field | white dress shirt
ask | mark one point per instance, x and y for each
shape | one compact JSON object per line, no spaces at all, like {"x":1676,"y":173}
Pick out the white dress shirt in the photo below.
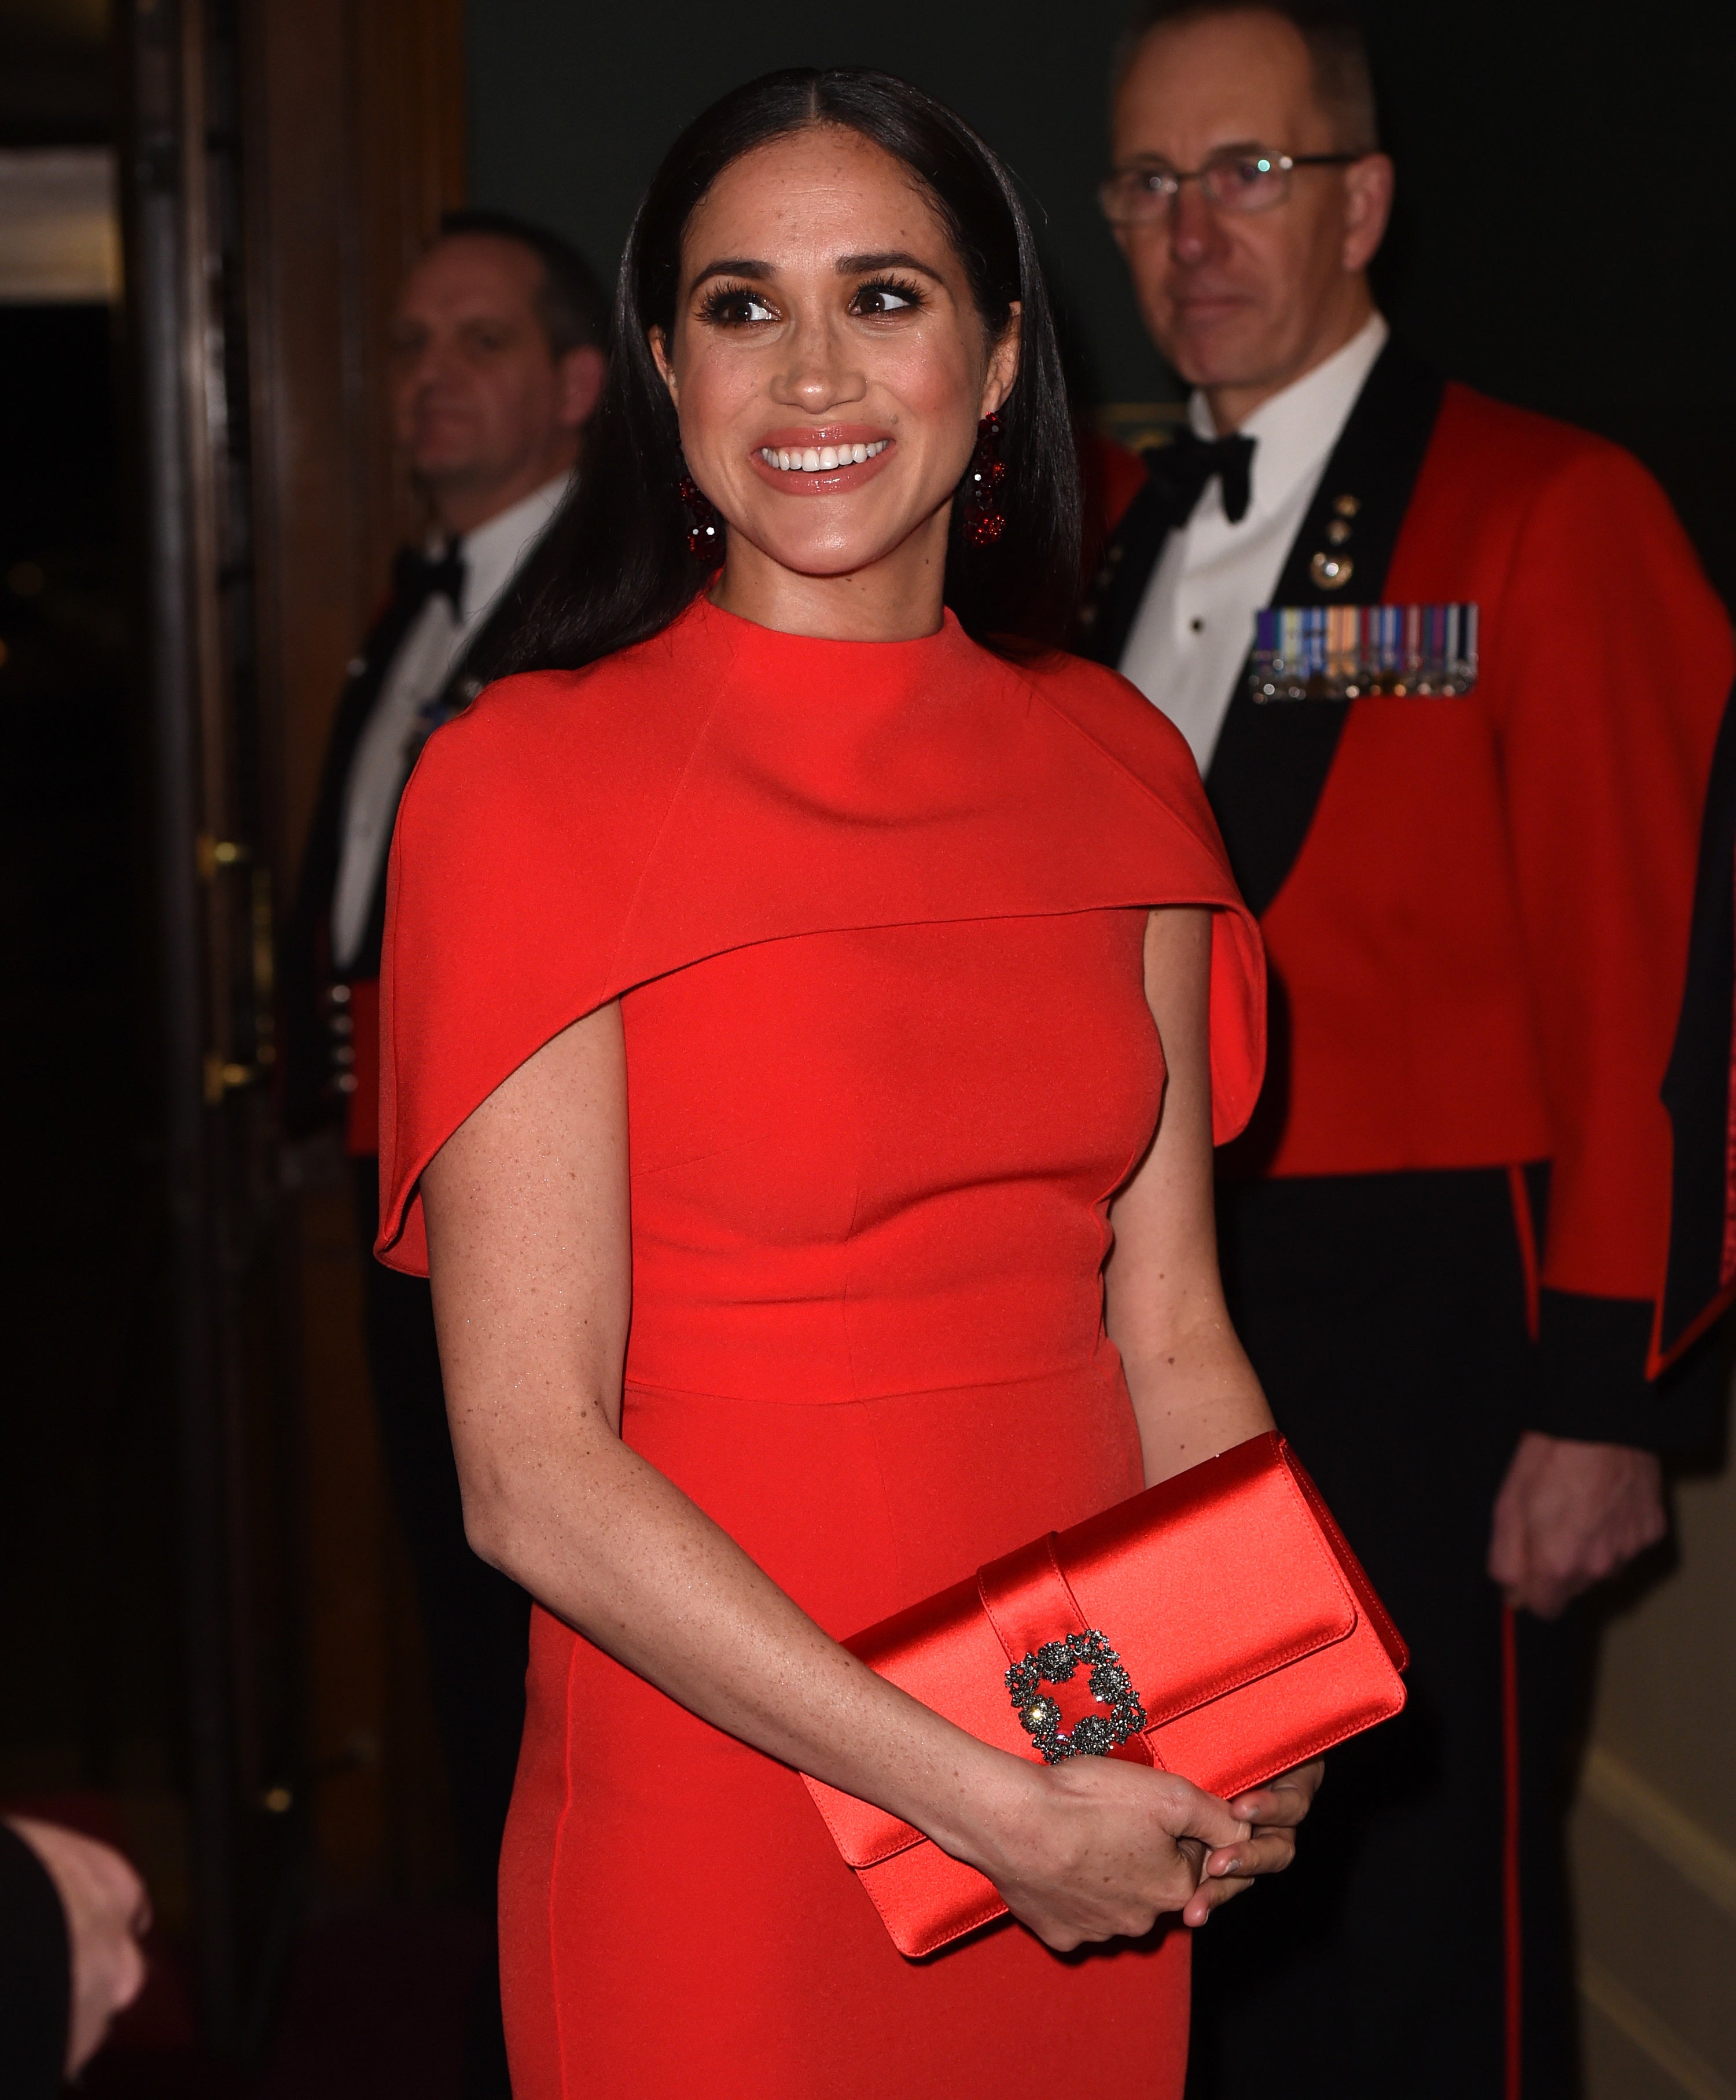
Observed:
{"x":1195,"y":624}
{"x":491,"y":555}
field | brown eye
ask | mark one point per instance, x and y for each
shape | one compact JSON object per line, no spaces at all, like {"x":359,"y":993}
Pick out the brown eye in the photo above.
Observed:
{"x":875,"y":300}
{"x":734,"y":307}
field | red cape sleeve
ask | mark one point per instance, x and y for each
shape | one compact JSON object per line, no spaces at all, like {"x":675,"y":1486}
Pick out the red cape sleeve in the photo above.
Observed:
{"x":572,"y":836}
{"x":478,"y":972}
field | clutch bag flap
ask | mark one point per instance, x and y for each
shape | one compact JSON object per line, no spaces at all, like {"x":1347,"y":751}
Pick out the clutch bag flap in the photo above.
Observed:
{"x":1250,"y":1637}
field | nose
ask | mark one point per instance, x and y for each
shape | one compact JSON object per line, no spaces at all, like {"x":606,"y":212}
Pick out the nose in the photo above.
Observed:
{"x":434,"y":362}
{"x":818,"y":373}
{"x":1196,"y":231}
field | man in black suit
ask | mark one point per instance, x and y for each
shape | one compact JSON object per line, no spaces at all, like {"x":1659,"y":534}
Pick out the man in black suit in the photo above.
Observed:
{"x":498,"y":347}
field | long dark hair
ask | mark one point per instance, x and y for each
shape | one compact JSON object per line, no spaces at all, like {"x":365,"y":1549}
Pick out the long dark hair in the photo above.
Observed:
{"x":620,"y":568}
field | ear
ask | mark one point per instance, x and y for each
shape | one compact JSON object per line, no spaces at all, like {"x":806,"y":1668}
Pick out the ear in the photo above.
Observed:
{"x":580,"y":375}
{"x":1367,"y":205}
{"x":1003,"y":362}
{"x":659,"y":343}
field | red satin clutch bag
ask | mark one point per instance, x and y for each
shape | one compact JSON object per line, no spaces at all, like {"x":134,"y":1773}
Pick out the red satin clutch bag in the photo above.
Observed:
{"x":1217,"y":1625}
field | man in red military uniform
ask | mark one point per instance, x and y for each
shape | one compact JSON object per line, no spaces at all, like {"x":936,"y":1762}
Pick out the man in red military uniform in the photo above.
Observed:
{"x":1472,"y":849}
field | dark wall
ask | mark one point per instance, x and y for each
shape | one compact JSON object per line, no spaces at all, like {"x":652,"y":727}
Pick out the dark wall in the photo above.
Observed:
{"x":571,"y":108}
{"x":1564,"y":234}
{"x":86,"y":1584}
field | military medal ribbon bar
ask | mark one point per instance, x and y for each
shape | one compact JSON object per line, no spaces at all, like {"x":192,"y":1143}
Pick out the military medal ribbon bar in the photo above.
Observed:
{"x":1352,"y":652}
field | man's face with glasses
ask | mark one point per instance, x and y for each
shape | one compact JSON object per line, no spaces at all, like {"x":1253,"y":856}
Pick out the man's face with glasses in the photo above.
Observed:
{"x":1246,"y":225}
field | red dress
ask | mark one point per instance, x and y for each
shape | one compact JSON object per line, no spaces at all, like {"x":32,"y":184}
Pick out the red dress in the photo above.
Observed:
{"x":874,"y":912}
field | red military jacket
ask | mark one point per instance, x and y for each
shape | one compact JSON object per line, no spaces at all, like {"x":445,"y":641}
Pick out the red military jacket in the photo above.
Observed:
{"x":1477,"y":908}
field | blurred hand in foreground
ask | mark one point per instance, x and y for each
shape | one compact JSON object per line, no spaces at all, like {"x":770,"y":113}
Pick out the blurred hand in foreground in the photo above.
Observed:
{"x":107,"y":1912}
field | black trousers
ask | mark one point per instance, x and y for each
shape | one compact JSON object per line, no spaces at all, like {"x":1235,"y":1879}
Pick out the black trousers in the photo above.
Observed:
{"x":1385,"y":1315}
{"x":476,"y":1622}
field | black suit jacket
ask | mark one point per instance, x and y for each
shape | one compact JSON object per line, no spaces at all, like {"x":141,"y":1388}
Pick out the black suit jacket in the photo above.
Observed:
{"x":306,"y":974}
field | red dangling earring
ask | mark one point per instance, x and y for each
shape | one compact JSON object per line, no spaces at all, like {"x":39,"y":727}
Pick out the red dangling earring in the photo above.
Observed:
{"x":705,"y":535}
{"x":985,"y":520}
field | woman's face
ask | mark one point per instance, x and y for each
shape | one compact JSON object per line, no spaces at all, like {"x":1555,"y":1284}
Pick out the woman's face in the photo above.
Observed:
{"x":828,"y":363}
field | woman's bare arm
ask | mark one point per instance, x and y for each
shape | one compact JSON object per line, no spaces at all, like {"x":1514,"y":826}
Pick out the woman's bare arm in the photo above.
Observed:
{"x":1194,"y":1391}
{"x":527,"y":1213}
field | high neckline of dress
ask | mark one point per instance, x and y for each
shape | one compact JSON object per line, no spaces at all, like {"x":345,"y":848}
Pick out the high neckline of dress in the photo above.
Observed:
{"x":773,"y":645}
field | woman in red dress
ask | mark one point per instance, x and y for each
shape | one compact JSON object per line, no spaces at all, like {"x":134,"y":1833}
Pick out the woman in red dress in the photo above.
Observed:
{"x":807,"y":1013}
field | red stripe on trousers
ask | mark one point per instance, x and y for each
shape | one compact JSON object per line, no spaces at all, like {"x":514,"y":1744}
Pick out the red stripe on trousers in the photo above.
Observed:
{"x":1512,"y":1916}
{"x":1525,"y":1226}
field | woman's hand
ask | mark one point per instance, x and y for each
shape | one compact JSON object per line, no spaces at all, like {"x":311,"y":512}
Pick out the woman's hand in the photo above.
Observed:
{"x":1273,"y":1813}
{"x":1099,"y":1848}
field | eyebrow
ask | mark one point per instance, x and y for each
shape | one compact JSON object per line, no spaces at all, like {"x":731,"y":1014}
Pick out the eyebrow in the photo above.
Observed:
{"x":1162,"y":160}
{"x":731,"y":266}
{"x":848,"y":265}
{"x":890,"y":259}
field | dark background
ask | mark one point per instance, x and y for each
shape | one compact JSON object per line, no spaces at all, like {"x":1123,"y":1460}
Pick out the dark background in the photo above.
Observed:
{"x":1563,"y":236}
{"x":88,"y":1654}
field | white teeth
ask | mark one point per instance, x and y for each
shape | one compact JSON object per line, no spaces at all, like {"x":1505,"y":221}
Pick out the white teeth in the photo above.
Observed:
{"x":821,"y":458}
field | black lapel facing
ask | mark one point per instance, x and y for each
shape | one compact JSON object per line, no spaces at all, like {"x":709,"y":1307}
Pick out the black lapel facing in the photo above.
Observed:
{"x":1266,"y":775}
{"x":1697,"y":1085}
{"x":1111,"y":603}
{"x":363,"y":685}
{"x":303,"y":955}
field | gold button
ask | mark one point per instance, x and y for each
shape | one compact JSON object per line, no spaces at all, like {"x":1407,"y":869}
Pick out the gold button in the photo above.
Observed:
{"x":1338,"y":531}
{"x":1347,"y":506}
{"x":1331,"y":571}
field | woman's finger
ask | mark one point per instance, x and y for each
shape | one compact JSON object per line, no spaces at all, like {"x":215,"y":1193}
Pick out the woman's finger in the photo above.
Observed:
{"x":1286,"y":1799}
{"x":1211,"y":1896}
{"x":1272,"y":1807}
{"x":1267,"y":1851}
{"x":1192,"y":1814}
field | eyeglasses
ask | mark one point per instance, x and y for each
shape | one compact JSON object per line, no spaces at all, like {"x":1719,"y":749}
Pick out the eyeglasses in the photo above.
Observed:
{"x":1238,"y":179}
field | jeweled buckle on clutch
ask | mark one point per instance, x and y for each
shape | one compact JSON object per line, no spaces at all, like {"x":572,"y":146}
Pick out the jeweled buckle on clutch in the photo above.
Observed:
{"x":1094,"y":1735}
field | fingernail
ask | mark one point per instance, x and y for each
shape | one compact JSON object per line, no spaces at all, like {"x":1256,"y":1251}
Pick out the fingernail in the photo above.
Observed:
{"x":1235,"y":1867}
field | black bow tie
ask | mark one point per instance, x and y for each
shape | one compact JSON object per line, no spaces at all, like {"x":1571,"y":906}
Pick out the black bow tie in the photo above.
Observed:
{"x":1180,"y":469}
{"x":415,"y":578}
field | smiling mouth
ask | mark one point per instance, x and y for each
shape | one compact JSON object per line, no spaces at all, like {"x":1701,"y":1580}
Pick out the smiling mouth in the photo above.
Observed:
{"x":821,"y":458}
